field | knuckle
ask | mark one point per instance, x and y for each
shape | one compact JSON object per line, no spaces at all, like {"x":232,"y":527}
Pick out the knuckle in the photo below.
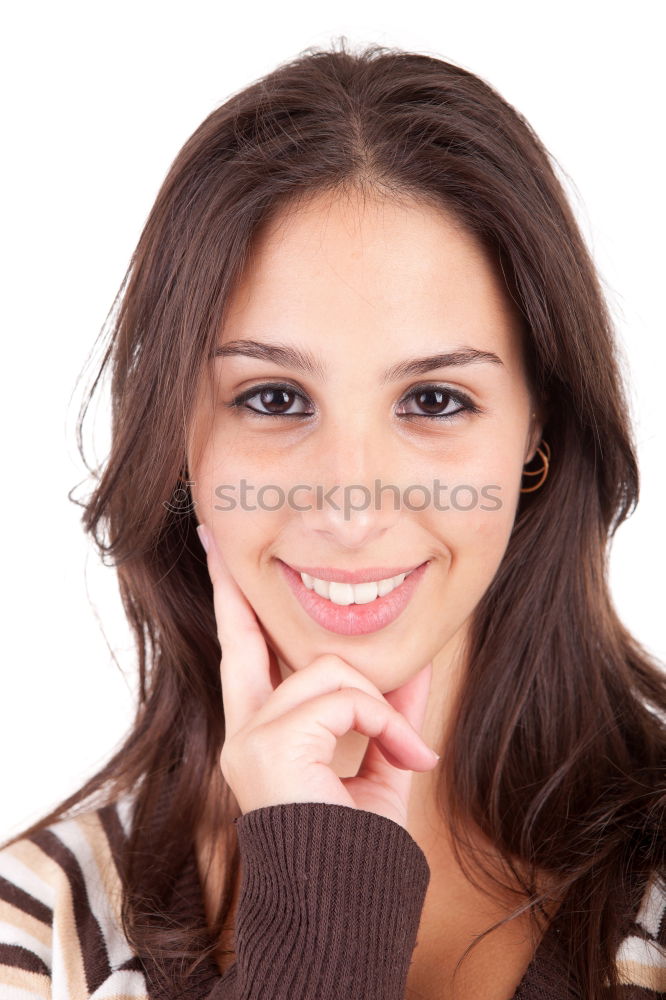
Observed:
{"x":368,"y":699}
{"x":330,"y":661}
{"x":226,"y":766}
{"x":257,"y":743}
{"x":228,"y":751}
{"x":242,"y":751}
{"x":359,"y":699}
{"x":347,"y":675}
{"x":231,"y":752}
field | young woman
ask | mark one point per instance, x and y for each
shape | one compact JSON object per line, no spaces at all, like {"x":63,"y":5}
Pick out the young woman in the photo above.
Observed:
{"x":363,"y":350}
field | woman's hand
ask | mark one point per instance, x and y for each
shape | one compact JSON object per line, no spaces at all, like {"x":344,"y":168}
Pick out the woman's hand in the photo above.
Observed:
{"x":281,"y":735}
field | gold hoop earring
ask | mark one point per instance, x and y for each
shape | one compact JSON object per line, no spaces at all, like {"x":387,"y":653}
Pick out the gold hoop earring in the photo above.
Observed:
{"x":543,"y":471}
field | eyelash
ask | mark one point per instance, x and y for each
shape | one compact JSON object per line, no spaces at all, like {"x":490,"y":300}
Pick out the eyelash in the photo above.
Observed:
{"x":465,"y":403}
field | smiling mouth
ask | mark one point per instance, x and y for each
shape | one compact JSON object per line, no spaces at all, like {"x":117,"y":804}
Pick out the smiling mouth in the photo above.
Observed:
{"x":358,"y":587}
{"x":344,"y":594}
{"x":353,"y":609}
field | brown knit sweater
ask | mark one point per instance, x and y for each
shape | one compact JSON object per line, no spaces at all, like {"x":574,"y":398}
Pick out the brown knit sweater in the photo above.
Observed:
{"x":329,"y":907}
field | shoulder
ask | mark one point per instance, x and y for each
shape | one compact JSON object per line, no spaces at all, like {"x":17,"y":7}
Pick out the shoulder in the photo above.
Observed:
{"x":641,"y":957}
{"x":60,"y":900}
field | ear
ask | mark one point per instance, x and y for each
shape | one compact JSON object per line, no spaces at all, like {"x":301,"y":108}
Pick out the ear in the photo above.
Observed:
{"x":535,"y":432}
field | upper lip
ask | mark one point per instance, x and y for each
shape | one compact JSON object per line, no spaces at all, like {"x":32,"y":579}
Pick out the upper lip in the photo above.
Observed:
{"x":354,"y":576}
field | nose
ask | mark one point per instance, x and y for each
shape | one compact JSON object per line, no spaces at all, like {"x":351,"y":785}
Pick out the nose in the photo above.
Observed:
{"x":356,"y":501}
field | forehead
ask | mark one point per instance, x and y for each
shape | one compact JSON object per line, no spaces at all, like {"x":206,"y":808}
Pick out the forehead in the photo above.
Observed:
{"x":336,"y":268}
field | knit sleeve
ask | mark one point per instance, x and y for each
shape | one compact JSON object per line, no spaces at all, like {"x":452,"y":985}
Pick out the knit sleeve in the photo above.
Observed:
{"x":329,"y":905}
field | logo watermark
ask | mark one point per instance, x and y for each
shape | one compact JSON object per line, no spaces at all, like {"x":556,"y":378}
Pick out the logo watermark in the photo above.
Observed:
{"x":355,"y":497}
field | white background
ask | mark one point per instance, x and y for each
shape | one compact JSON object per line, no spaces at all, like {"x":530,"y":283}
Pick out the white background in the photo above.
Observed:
{"x":98,"y":99}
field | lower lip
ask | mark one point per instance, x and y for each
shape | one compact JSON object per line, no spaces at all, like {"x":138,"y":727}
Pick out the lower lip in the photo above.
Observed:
{"x":354,"y":619}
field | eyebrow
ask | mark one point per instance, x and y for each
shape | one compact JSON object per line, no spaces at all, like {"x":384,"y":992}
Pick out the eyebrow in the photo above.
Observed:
{"x":303,"y":361}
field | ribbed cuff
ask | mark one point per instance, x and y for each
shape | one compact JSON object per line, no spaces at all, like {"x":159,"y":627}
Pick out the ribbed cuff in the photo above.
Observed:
{"x":330,"y":903}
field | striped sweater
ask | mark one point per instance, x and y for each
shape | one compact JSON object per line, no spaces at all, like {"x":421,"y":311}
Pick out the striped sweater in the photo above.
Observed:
{"x":329,"y":907}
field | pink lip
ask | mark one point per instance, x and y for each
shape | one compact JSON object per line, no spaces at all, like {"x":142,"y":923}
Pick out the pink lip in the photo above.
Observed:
{"x":354,"y":619}
{"x":352,"y":576}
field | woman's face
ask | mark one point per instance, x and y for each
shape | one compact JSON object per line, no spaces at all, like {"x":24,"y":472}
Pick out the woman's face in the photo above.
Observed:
{"x":356,"y":291}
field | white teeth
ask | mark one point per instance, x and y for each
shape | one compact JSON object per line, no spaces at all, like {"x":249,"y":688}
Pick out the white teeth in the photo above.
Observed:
{"x":352,"y":593}
{"x":341,"y":593}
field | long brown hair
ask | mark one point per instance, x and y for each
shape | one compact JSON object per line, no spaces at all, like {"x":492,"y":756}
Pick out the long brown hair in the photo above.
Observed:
{"x":557,"y":754}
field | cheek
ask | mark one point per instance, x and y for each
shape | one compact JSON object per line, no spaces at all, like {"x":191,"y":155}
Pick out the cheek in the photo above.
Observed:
{"x":476,"y":527}
{"x":245,"y":473}
{"x":488,"y":537}
{"x":245,"y":512}
{"x":494,"y":517}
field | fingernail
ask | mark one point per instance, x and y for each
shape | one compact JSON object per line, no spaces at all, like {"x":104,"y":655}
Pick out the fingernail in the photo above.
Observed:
{"x":435,"y":755}
{"x":202,"y":532}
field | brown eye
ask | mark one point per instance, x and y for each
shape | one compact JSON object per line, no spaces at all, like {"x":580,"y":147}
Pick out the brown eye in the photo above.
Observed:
{"x":276,"y":400}
{"x":272,"y":401}
{"x":435,"y":402}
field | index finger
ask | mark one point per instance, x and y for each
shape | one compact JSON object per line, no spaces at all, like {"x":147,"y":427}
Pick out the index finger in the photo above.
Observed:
{"x":245,"y":667}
